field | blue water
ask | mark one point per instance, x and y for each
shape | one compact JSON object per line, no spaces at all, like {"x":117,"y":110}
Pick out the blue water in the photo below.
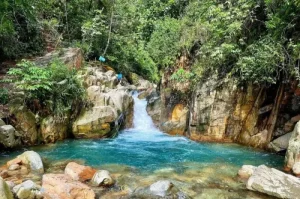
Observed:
{"x":144,"y":147}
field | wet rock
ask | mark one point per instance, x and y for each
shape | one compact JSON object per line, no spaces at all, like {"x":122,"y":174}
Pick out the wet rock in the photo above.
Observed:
{"x":61,"y":186}
{"x":9,"y":137}
{"x":246,"y":171}
{"x":293,"y":152}
{"x":161,"y":188}
{"x":177,"y":124}
{"x":52,"y":130}
{"x":79,"y":172}
{"x":33,"y":160}
{"x":154,"y":108}
{"x":102,"y":178}
{"x":275,"y":183}
{"x":5,"y":192}
{"x":27,"y":190}
{"x":281,"y":143}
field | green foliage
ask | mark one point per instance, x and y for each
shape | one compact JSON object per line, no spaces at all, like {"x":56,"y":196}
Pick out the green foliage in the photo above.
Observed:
{"x":4,"y":96}
{"x":164,"y":43}
{"x":182,"y":75}
{"x":55,"y":87}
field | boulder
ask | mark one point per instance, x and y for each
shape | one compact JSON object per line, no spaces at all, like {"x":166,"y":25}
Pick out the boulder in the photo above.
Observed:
{"x":33,"y":160}
{"x":61,"y":186}
{"x":246,"y":171}
{"x":281,"y":143}
{"x":26,"y":125}
{"x":161,"y":188}
{"x":5,"y":192}
{"x":102,"y":178}
{"x":9,"y":137}
{"x":293,"y":152}
{"x":72,"y":57}
{"x":52,"y":130}
{"x":296,"y":169}
{"x":95,"y":123}
{"x":274,"y":182}
{"x":79,"y":172}
{"x":2,"y":123}
{"x":28,"y":190}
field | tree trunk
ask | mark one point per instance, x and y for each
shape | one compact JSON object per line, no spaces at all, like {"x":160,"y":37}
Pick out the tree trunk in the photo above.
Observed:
{"x":273,"y":116}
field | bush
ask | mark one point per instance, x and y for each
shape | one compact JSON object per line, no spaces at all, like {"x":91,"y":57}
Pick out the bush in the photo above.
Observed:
{"x":50,"y":90}
{"x":4,"y":96}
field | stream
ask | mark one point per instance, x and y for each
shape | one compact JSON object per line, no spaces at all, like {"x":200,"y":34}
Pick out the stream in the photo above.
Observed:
{"x":143,"y":154}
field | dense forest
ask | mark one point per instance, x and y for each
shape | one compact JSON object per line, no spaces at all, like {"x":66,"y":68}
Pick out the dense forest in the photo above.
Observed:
{"x":254,"y":40}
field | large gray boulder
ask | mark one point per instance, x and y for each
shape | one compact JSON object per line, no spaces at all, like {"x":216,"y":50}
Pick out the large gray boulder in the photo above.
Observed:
{"x":9,"y":137}
{"x":293,"y":152}
{"x":281,"y":143}
{"x":34,"y":161}
{"x":5,"y":192}
{"x":274,"y":182}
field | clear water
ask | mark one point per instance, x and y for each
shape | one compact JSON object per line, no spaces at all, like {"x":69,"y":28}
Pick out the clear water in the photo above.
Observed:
{"x":145,"y":148}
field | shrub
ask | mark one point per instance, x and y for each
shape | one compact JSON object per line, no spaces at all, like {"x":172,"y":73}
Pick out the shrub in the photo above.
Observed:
{"x":50,"y":90}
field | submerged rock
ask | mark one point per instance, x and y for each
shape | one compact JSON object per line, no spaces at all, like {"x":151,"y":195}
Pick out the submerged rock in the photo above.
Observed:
{"x":160,"y":189}
{"x":102,"y":178}
{"x":293,"y":152}
{"x":61,"y":186}
{"x":9,"y":137}
{"x":33,"y":160}
{"x":5,"y":192}
{"x":246,"y":171}
{"x":275,"y":183}
{"x":79,"y":172}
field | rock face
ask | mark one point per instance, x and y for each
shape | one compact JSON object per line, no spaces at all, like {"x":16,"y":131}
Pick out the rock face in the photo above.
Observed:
{"x":61,"y":186}
{"x":5,"y":192}
{"x":112,"y":106}
{"x":9,"y":137}
{"x":177,"y":123}
{"x":79,"y":172}
{"x":275,"y":183}
{"x":154,"y":108}
{"x":102,"y":178}
{"x":26,"y":126}
{"x":293,"y":152}
{"x":52,"y":130}
{"x":281,"y":143}
{"x":32,"y":159}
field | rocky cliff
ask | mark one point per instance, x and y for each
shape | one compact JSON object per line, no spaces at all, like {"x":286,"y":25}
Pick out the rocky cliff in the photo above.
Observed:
{"x":222,"y":110}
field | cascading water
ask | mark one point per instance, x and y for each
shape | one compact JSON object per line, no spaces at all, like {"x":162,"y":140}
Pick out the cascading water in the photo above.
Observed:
{"x":145,"y":147}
